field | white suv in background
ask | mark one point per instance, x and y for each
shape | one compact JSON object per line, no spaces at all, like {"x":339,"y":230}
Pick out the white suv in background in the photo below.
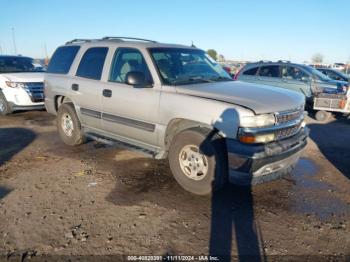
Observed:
{"x":21,"y":84}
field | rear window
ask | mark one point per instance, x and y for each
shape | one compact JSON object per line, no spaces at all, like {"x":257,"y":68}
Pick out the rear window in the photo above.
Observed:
{"x":91,"y":65}
{"x":269,"y":71}
{"x":251,"y":72}
{"x":62,"y":59}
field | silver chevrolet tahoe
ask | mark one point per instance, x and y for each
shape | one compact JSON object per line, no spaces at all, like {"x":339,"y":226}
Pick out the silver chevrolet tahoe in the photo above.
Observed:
{"x":175,"y":102}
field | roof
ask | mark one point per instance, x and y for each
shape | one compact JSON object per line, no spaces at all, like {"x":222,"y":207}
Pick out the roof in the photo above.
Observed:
{"x":128,"y":41}
{"x":280,"y":62}
{"x":14,"y":56}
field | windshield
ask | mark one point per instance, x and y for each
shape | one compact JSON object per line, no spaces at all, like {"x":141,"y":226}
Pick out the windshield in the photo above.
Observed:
{"x":317,"y":74}
{"x":19,"y":65}
{"x":181,"y":66}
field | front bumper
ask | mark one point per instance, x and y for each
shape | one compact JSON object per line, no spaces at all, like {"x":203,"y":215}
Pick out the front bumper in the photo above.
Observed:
{"x":255,"y":164}
{"x":19,"y":98}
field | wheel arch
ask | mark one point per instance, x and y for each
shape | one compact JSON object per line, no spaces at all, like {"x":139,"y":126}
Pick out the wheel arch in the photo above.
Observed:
{"x":178,"y":125}
{"x":61,"y":99}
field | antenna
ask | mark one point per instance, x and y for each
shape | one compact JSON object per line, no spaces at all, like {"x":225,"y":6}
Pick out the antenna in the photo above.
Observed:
{"x":14,"y":41}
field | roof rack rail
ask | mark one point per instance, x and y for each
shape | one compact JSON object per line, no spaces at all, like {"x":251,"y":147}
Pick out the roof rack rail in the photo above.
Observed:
{"x":78,"y":41}
{"x":283,"y":61}
{"x":264,"y":61}
{"x":127,"y":38}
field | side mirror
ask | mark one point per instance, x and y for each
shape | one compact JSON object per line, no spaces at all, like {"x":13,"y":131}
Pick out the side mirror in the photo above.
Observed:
{"x":136,"y":79}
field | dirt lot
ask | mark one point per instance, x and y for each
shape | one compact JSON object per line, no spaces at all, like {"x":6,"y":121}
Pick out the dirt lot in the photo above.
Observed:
{"x":99,"y":200}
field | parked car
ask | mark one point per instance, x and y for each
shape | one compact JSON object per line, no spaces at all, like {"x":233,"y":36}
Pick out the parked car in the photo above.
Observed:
{"x":175,"y":101}
{"x":334,"y":74}
{"x":297,"y":77}
{"x":338,"y":66}
{"x":21,"y":84}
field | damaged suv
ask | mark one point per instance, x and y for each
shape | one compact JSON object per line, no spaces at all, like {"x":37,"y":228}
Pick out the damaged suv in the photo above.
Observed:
{"x":174,"y":101}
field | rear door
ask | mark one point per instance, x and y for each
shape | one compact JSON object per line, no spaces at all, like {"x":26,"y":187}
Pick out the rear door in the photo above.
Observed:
{"x":86,"y":88}
{"x":249,"y":75}
{"x":269,"y":75}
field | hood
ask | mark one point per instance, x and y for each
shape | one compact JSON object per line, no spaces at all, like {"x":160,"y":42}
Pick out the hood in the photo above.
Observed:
{"x":259,"y":98}
{"x":24,"y":77}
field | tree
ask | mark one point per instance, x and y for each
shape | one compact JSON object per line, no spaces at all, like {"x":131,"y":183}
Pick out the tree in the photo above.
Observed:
{"x":212,"y":53}
{"x":221,"y":58}
{"x":317,"y":58}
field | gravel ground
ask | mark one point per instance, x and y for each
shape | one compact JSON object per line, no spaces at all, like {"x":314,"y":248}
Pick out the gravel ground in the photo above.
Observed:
{"x":100,"y":200}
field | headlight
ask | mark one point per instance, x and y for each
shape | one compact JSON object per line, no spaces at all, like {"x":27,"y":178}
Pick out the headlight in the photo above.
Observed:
{"x":256,"y":138}
{"x":14,"y":84}
{"x":258,"y":120}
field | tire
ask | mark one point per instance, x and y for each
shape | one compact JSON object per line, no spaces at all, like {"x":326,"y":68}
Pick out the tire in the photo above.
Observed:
{"x":5,"y":108}
{"x":322,"y":116}
{"x":70,"y":136}
{"x":212,"y":147}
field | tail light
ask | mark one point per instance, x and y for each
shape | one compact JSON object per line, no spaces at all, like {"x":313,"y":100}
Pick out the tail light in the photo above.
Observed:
{"x":342,"y":104}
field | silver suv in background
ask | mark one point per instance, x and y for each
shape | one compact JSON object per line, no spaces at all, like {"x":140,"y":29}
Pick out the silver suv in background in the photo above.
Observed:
{"x":296,"y":77}
{"x":174,"y":101}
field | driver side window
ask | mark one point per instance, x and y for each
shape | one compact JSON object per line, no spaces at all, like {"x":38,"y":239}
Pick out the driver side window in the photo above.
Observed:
{"x":294,"y":73}
{"x":128,"y":60}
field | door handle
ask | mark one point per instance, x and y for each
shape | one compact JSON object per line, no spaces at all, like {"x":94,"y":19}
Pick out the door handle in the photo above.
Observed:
{"x":107,"y":93}
{"x":75,"y":87}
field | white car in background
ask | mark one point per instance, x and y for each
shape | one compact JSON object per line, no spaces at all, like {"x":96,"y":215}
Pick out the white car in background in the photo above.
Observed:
{"x":21,"y":84}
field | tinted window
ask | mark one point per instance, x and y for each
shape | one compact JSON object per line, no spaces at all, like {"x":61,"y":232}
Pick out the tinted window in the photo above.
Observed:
{"x":16,"y":64}
{"x":332,"y":74}
{"x":269,"y":71}
{"x":62,"y":59}
{"x":294,"y":73}
{"x":91,"y":64}
{"x":126,"y":60}
{"x":251,"y":72}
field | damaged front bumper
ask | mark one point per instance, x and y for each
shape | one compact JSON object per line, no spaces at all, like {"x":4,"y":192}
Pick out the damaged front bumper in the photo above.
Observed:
{"x":255,"y":164}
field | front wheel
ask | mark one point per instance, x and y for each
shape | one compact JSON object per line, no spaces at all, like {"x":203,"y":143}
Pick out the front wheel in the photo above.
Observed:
{"x":198,"y":160}
{"x":68,"y":125}
{"x":5,"y":108}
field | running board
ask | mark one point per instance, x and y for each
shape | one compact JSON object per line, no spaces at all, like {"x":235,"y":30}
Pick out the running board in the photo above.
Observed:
{"x":113,"y":142}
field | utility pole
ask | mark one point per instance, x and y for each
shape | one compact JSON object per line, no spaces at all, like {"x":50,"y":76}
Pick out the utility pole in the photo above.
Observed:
{"x":14,"y":41}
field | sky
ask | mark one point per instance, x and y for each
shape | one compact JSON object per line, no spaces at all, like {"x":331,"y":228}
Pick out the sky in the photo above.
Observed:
{"x":240,"y":30}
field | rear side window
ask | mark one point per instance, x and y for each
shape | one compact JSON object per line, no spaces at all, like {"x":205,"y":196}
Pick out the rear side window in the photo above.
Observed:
{"x":251,"y":72}
{"x":91,"y":64}
{"x":269,"y":71}
{"x":62,"y":59}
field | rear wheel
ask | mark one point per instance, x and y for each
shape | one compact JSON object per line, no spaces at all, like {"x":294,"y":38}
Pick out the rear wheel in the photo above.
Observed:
{"x":322,"y":115}
{"x":5,"y":108}
{"x":68,"y":125}
{"x":198,"y":160}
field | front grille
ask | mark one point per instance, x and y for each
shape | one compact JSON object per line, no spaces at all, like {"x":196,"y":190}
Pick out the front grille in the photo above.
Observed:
{"x":35,"y":91}
{"x":287,"y":132}
{"x":287,"y":116}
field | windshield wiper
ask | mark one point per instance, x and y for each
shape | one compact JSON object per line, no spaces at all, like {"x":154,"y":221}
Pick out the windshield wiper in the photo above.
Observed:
{"x":192,"y":80}
{"x":221,"y":78}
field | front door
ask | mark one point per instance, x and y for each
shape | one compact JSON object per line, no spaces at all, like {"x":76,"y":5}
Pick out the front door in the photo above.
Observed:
{"x":127,"y":111}
{"x":293,"y":78}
